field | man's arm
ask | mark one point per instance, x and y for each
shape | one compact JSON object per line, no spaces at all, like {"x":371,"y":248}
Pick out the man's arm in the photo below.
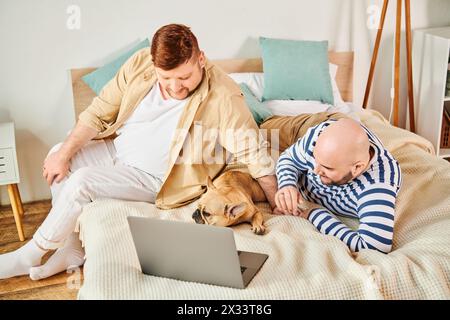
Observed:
{"x":240,"y":135}
{"x":56,"y":165}
{"x":290,"y":165}
{"x":376,"y":221}
{"x":102,"y":113}
{"x":92,"y":122}
{"x":270,"y":187}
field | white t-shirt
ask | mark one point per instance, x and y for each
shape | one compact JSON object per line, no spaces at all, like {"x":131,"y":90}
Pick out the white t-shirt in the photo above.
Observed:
{"x":144,"y":139}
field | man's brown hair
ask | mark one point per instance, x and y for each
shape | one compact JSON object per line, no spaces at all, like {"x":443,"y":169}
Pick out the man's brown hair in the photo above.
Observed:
{"x":173,"y":45}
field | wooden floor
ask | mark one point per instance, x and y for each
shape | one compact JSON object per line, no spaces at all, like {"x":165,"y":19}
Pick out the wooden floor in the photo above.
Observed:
{"x":63,"y":286}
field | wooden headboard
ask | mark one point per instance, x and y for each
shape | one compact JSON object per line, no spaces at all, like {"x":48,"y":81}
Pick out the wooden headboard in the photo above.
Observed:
{"x":83,"y":95}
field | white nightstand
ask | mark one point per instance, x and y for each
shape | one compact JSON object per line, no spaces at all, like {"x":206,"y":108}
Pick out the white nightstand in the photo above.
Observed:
{"x":9,"y":172}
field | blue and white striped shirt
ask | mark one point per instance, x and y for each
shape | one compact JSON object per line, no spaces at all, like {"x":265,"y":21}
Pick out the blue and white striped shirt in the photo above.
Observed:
{"x":370,"y":197}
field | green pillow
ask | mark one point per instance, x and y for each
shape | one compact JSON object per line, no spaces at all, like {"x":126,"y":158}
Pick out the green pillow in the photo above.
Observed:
{"x":258,"y":110}
{"x":296,"y":70}
{"x":97,"y":79}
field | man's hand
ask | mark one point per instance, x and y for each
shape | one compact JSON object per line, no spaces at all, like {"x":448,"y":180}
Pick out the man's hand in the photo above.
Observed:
{"x":287,"y":200}
{"x":277,"y":211}
{"x":304,"y":209}
{"x":56,"y":166}
{"x":290,"y":201}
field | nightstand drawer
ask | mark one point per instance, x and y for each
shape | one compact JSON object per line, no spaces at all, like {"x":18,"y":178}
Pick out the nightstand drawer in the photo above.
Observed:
{"x":7,"y":165}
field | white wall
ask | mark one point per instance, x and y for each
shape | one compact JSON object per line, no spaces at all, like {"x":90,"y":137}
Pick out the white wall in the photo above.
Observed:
{"x":424,"y":14}
{"x":37,"y":50}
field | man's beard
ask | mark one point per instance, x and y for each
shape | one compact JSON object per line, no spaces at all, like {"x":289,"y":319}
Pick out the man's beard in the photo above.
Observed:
{"x":189,"y":93}
{"x":174,"y":96}
{"x":344,"y":180}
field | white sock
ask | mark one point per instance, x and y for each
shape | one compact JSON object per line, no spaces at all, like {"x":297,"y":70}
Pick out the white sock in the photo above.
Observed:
{"x":19,"y":262}
{"x":67,"y":257}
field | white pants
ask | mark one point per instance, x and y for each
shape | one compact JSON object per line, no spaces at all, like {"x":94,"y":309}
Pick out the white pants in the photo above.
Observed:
{"x":94,"y":174}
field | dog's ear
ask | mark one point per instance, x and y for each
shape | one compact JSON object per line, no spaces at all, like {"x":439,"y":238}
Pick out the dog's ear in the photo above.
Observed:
{"x":210,"y":184}
{"x":235,"y":209}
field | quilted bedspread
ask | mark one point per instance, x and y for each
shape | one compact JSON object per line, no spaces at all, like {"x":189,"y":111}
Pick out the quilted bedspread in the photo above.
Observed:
{"x":302,"y":263}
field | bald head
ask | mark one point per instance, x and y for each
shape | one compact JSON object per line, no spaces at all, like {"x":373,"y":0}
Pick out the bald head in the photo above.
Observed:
{"x":340,"y":146}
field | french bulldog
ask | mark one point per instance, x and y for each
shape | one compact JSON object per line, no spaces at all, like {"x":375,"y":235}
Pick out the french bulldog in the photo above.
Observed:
{"x":230,"y":201}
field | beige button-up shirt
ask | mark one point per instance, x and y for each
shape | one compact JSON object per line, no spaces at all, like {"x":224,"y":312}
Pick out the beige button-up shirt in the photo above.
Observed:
{"x":215,"y":125}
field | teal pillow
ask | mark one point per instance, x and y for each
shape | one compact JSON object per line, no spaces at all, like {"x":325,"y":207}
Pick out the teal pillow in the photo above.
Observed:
{"x":97,"y":79}
{"x":258,"y":110}
{"x":296,"y":70}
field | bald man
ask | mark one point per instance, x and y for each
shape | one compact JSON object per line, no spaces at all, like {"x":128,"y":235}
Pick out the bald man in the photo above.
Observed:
{"x":341,"y":169}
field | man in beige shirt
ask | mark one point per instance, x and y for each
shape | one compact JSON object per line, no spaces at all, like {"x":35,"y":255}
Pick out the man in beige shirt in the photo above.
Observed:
{"x":203,"y":101}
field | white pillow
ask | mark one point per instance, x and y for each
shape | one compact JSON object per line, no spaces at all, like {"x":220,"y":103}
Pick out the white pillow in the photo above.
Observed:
{"x":255,"y":81}
{"x":295,"y":107}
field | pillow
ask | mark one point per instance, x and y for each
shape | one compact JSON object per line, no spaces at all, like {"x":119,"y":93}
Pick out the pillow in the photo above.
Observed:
{"x":296,"y":107}
{"x":296,"y":70}
{"x":258,"y":110}
{"x":97,"y":79}
{"x":255,"y":81}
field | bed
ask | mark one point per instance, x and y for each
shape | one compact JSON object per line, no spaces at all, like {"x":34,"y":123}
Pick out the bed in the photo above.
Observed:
{"x":302,"y":264}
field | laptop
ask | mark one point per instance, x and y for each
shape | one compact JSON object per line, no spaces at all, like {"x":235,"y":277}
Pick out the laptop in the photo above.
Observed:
{"x":192,"y":252}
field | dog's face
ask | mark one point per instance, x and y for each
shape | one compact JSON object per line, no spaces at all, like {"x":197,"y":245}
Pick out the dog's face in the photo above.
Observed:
{"x":217,"y":208}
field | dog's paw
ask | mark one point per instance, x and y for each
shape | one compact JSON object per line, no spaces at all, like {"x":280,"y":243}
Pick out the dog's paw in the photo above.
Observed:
{"x":259,"y":229}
